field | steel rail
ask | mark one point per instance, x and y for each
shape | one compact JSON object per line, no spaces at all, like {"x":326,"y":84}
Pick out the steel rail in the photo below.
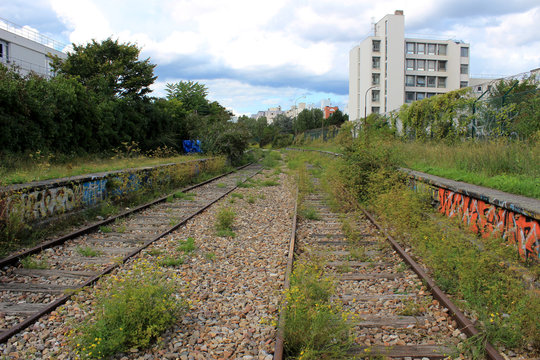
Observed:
{"x":466,"y":325}
{"x":13,"y":259}
{"x":4,"y":336}
{"x":280,"y":340}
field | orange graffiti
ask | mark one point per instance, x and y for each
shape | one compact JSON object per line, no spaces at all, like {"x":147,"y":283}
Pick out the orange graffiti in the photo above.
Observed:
{"x":490,"y":220}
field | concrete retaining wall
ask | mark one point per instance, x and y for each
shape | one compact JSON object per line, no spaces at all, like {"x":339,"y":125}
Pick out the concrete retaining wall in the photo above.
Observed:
{"x":486,"y":211}
{"x":44,"y":199}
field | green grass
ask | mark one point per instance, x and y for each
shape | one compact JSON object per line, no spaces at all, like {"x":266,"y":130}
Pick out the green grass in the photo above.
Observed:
{"x":271,"y":159}
{"x":154,"y":252}
{"x":237,"y":195}
{"x":270,"y":182}
{"x":309,"y":212}
{"x":170,"y":261}
{"x":225,"y":219}
{"x":184,"y":196}
{"x":105,"y":229}
{"x":31,"y":262}
{"x":20,"y":169}
{"x":187,"y":246}
{"x":251,"y":199}
{"x":88,"y":251}
{"x":221,"y":185}
{"x":210,"y":256}
{"x":478,"y":277}
{"x":314,"y":326}
{"x":225,"y":233}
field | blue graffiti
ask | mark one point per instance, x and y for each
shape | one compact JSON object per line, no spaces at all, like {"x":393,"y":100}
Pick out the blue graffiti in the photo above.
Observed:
{"x":94,"y":191}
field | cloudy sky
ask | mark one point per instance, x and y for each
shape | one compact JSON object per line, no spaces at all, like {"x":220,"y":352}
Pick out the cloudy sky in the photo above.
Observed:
{"x":255,"y":54}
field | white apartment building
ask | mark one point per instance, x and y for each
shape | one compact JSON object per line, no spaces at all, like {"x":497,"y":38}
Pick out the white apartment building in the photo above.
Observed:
{"x":27,"y":50}
{"x":387,"y":70}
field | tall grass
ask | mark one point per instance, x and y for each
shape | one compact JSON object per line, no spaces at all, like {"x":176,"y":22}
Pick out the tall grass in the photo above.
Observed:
{"x":509,"y":166}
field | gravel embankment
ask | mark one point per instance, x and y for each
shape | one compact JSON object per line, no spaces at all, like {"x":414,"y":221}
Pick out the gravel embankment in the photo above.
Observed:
{"x":233,"y":284}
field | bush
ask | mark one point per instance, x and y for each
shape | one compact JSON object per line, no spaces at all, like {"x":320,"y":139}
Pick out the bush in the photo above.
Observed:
{"x":131,"y":311}
{"x":314,"y":327}
{"x":224,"y":221}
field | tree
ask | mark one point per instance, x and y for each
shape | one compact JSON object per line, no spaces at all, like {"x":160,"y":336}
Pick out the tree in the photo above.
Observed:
{"x":284,"y":124}
{"x":308,"y":119}
{"x":191,"y":94}
{"x":337,"y":118}
{"x":109,"y":68}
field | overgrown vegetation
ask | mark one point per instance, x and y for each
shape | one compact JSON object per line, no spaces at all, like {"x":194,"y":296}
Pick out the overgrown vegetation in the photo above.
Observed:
{"x":15,"y":231}
{"x":33,"y":262}
{"x":131,"y":311}
{"x":315,"y":328}
{"x":88,"y":251}
{"x":224,"y":222}
{"x":494,"y":293}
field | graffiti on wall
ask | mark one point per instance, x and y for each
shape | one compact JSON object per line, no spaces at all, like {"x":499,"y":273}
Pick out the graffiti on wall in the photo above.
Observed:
{"x":94,"y":191}
{"x":47,"y":202}
{"x":490,"y":220}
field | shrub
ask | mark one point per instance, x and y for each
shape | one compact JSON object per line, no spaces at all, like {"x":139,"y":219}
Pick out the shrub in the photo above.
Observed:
{"x":314,"y":327}
{"x":131,"y":311}
{"x":225,"y":219}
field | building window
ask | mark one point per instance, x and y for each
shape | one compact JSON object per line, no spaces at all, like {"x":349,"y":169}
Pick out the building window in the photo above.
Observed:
{"x":431,"y":65}
{"x":376,"y":61}
{"x":464,"y":69}
{"x":376,"y":45}
{"x":431,"y":81}
{"x":463,"y":84}
{"x":409,"y":80}
{"x":420,"y":96}
{"x":410,"y":48}
{"x":464,"y":52}
{"x":409,"y":96}
{"x":431,"y":49}
{"x":375,"y":109}
{"x":375,"y":95}
{"x":375,"y":79}
{"x":441,"y":82}
{"x":421,"y":48}
{"x":410,"y":64}
{"x":1,"y":50}
{"x":421,"y":81}
{"x":421,"y":65}
{"x":441,"y":49}
{"x":428,"y":95}
{"x":442,"y":65}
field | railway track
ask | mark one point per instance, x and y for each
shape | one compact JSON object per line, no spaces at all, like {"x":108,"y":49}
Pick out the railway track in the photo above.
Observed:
{"x":395,"y":310}
{"x":39,"y":280}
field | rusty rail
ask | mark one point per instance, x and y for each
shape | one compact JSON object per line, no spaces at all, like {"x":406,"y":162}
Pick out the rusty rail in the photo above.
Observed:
{"x":279,"y":348}
{"x":466,"y":325}
{"x":4,"y":336}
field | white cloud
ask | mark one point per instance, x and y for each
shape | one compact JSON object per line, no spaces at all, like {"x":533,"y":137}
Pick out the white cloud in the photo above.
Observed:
{"x":255,"y":42}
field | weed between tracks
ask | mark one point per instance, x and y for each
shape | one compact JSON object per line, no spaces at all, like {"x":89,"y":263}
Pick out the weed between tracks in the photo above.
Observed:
{"x":224,"y":222}
{"x":131,"y":310}
{"x":87,"y":251}
{"x":32,"y":262}
{"x":507,"y":312}
{"x":315,"y":328}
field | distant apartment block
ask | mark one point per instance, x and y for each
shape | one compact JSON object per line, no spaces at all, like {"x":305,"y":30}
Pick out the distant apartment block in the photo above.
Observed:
{"x":387,"y":70}
{"x":329,"y":110}
{"x":27,"y":50}
{"x":270,"y":114}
